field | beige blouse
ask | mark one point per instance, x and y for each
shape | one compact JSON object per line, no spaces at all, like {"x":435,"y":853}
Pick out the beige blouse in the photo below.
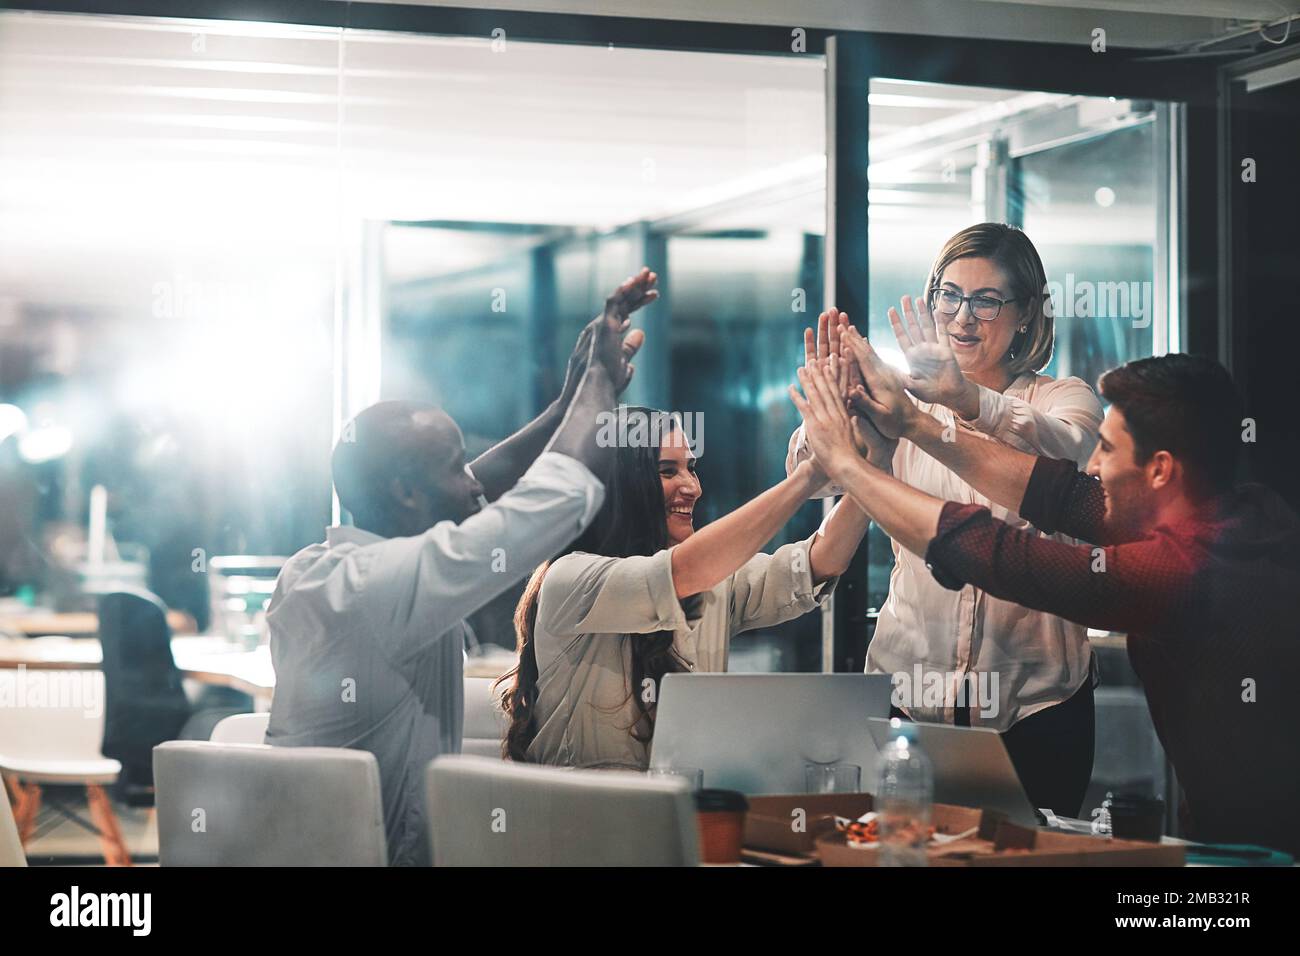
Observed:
{"x":592,"y":608}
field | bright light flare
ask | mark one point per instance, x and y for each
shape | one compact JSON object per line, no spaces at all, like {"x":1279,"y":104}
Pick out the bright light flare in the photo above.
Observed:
{"x":13,"y":421}
{"x":45,"y":443}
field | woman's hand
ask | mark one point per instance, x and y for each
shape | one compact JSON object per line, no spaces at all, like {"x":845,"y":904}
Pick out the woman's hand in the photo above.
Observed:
{"x":827,"y":424}
{"x":827,"y":346}
{"x":830,"y":328}
{"x":934,"y":373}
{"x":883,"y":400}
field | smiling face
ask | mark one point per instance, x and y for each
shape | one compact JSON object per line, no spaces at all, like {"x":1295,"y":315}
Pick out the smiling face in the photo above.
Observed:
{"x":1131,"y":502}
{"x":681,"y":485}
{"x":980,"y":348}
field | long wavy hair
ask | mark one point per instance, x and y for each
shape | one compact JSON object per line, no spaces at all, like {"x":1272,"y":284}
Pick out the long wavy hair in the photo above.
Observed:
{"x":632,"y":521}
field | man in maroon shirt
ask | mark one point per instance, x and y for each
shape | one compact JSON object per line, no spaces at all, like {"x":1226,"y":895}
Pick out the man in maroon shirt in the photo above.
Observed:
{"x":1204,"y":577}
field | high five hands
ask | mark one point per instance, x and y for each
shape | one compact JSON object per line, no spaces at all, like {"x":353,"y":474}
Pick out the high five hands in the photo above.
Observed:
{"x":934,"y":375}
{"x":606,"y":338}
{"x":830,"y":351}
{"x":882,"y":398}
{"x":828,"y":426}
{"x":830,"y":326}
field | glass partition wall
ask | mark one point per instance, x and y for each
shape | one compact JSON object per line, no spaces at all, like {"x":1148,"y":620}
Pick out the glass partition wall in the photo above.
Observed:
{"x":168,"y":219}
{"x":234,"y":235}
{"x":719,"y":186}
{"x":218,"y":240}
{"x":1087,"y":178}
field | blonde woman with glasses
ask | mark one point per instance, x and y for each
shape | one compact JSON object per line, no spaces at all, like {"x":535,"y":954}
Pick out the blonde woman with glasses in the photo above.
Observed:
{"x":976,"y":342}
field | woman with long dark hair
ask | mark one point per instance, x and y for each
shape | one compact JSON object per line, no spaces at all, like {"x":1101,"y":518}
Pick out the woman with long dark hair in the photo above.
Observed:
{"x":641,"y":595}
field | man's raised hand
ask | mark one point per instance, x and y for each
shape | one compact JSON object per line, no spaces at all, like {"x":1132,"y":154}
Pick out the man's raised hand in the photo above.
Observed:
{"x":612,"y":344}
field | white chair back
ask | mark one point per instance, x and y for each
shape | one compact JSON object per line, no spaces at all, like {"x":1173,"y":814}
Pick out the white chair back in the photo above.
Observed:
{"x":53,"y":726}
{"x":485,"y":721}
{"x":241,"y":729}
{"x":241,"y":805}
{"x":485,"y":812}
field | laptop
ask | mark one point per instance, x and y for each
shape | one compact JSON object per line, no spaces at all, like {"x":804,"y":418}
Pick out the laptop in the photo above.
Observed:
{"x":971,"y":768}
{"x":755,"y":732}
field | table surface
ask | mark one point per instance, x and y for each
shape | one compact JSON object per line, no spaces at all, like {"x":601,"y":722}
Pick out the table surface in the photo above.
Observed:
{"x":213,"y":660}
{"x":35,"y":622}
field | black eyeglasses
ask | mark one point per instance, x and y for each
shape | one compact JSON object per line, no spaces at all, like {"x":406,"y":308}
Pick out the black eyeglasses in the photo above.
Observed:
{"x":984,"y":307}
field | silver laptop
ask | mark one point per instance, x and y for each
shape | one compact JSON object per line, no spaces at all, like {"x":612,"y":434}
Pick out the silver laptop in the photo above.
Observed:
{"x":756,"y":732}
{"x":971,"y":768}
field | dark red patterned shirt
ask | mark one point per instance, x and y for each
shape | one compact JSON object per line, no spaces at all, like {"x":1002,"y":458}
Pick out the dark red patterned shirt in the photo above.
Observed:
{"x":1212,"y":610}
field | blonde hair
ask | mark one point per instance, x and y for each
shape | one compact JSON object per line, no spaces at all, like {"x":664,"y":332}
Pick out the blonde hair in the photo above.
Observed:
{"x":1015,"y":255}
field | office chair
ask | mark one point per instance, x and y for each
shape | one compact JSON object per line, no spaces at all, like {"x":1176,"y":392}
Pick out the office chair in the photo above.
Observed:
{"x":145,"y":700}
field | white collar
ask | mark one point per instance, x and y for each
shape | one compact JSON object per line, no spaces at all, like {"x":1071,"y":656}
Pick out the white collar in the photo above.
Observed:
{"x":338,"y":534}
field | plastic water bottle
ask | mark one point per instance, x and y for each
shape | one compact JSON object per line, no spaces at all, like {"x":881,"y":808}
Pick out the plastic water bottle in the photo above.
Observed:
{"x":904,"y":793}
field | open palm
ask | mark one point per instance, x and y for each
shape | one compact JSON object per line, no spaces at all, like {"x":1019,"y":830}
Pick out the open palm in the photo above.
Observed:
{"x":934,"y":375}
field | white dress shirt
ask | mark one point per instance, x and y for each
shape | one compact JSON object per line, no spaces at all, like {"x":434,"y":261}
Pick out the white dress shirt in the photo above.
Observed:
{"x":368,"y":633}
{"x":1036,"y":659}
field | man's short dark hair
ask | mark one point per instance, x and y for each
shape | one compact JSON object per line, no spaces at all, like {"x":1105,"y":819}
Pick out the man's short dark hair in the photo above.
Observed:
{"x":375,"y":445}
{"x":1186,"y":405}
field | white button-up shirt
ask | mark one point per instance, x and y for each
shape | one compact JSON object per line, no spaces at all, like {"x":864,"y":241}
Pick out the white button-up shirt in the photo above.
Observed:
{"x":1019,"y":660}
{"x":368,"y":633}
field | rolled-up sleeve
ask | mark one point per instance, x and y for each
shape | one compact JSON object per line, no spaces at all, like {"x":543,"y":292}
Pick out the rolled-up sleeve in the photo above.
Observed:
{"x":1062,"y":422}
{"x":416,"y":588}
{"x":1128,"y":587}
{"x":594,"y":594}
{"x":770,"y":589}
{"x":1061,"y":498}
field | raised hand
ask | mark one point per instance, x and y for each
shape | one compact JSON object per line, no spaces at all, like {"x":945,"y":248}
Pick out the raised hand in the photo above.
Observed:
{"x":609,"y":346}
{"x":827,"y":423}
{"x":830,"y":326}
{"x":883,"y":398}
{"x":934,"y":375}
